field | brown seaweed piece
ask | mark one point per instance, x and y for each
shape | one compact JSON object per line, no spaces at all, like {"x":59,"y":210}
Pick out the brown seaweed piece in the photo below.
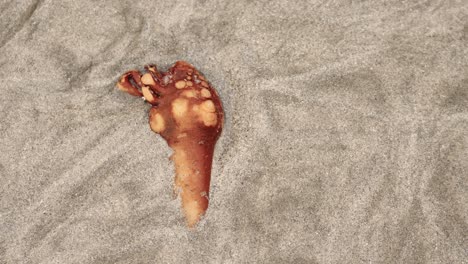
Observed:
{"x":187,"y":112}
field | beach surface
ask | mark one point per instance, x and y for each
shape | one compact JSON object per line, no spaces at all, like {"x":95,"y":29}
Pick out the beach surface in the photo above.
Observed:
{"x":345,"y":140}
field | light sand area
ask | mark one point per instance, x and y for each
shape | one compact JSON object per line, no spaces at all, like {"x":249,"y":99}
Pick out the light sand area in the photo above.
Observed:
{"x":345,"y":140}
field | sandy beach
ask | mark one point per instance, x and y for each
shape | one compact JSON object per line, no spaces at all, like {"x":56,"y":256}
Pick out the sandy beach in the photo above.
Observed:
{"x":345,"y":139}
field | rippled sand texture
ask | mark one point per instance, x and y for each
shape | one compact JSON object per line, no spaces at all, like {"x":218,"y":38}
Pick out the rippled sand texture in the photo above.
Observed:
{"x":345,"y":141}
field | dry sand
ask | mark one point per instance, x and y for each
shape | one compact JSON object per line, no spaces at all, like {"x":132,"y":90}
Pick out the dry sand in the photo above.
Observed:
{"x":346,"y":139}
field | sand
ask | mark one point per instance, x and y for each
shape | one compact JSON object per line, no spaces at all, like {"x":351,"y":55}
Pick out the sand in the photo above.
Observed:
{"x":346,"y":135}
